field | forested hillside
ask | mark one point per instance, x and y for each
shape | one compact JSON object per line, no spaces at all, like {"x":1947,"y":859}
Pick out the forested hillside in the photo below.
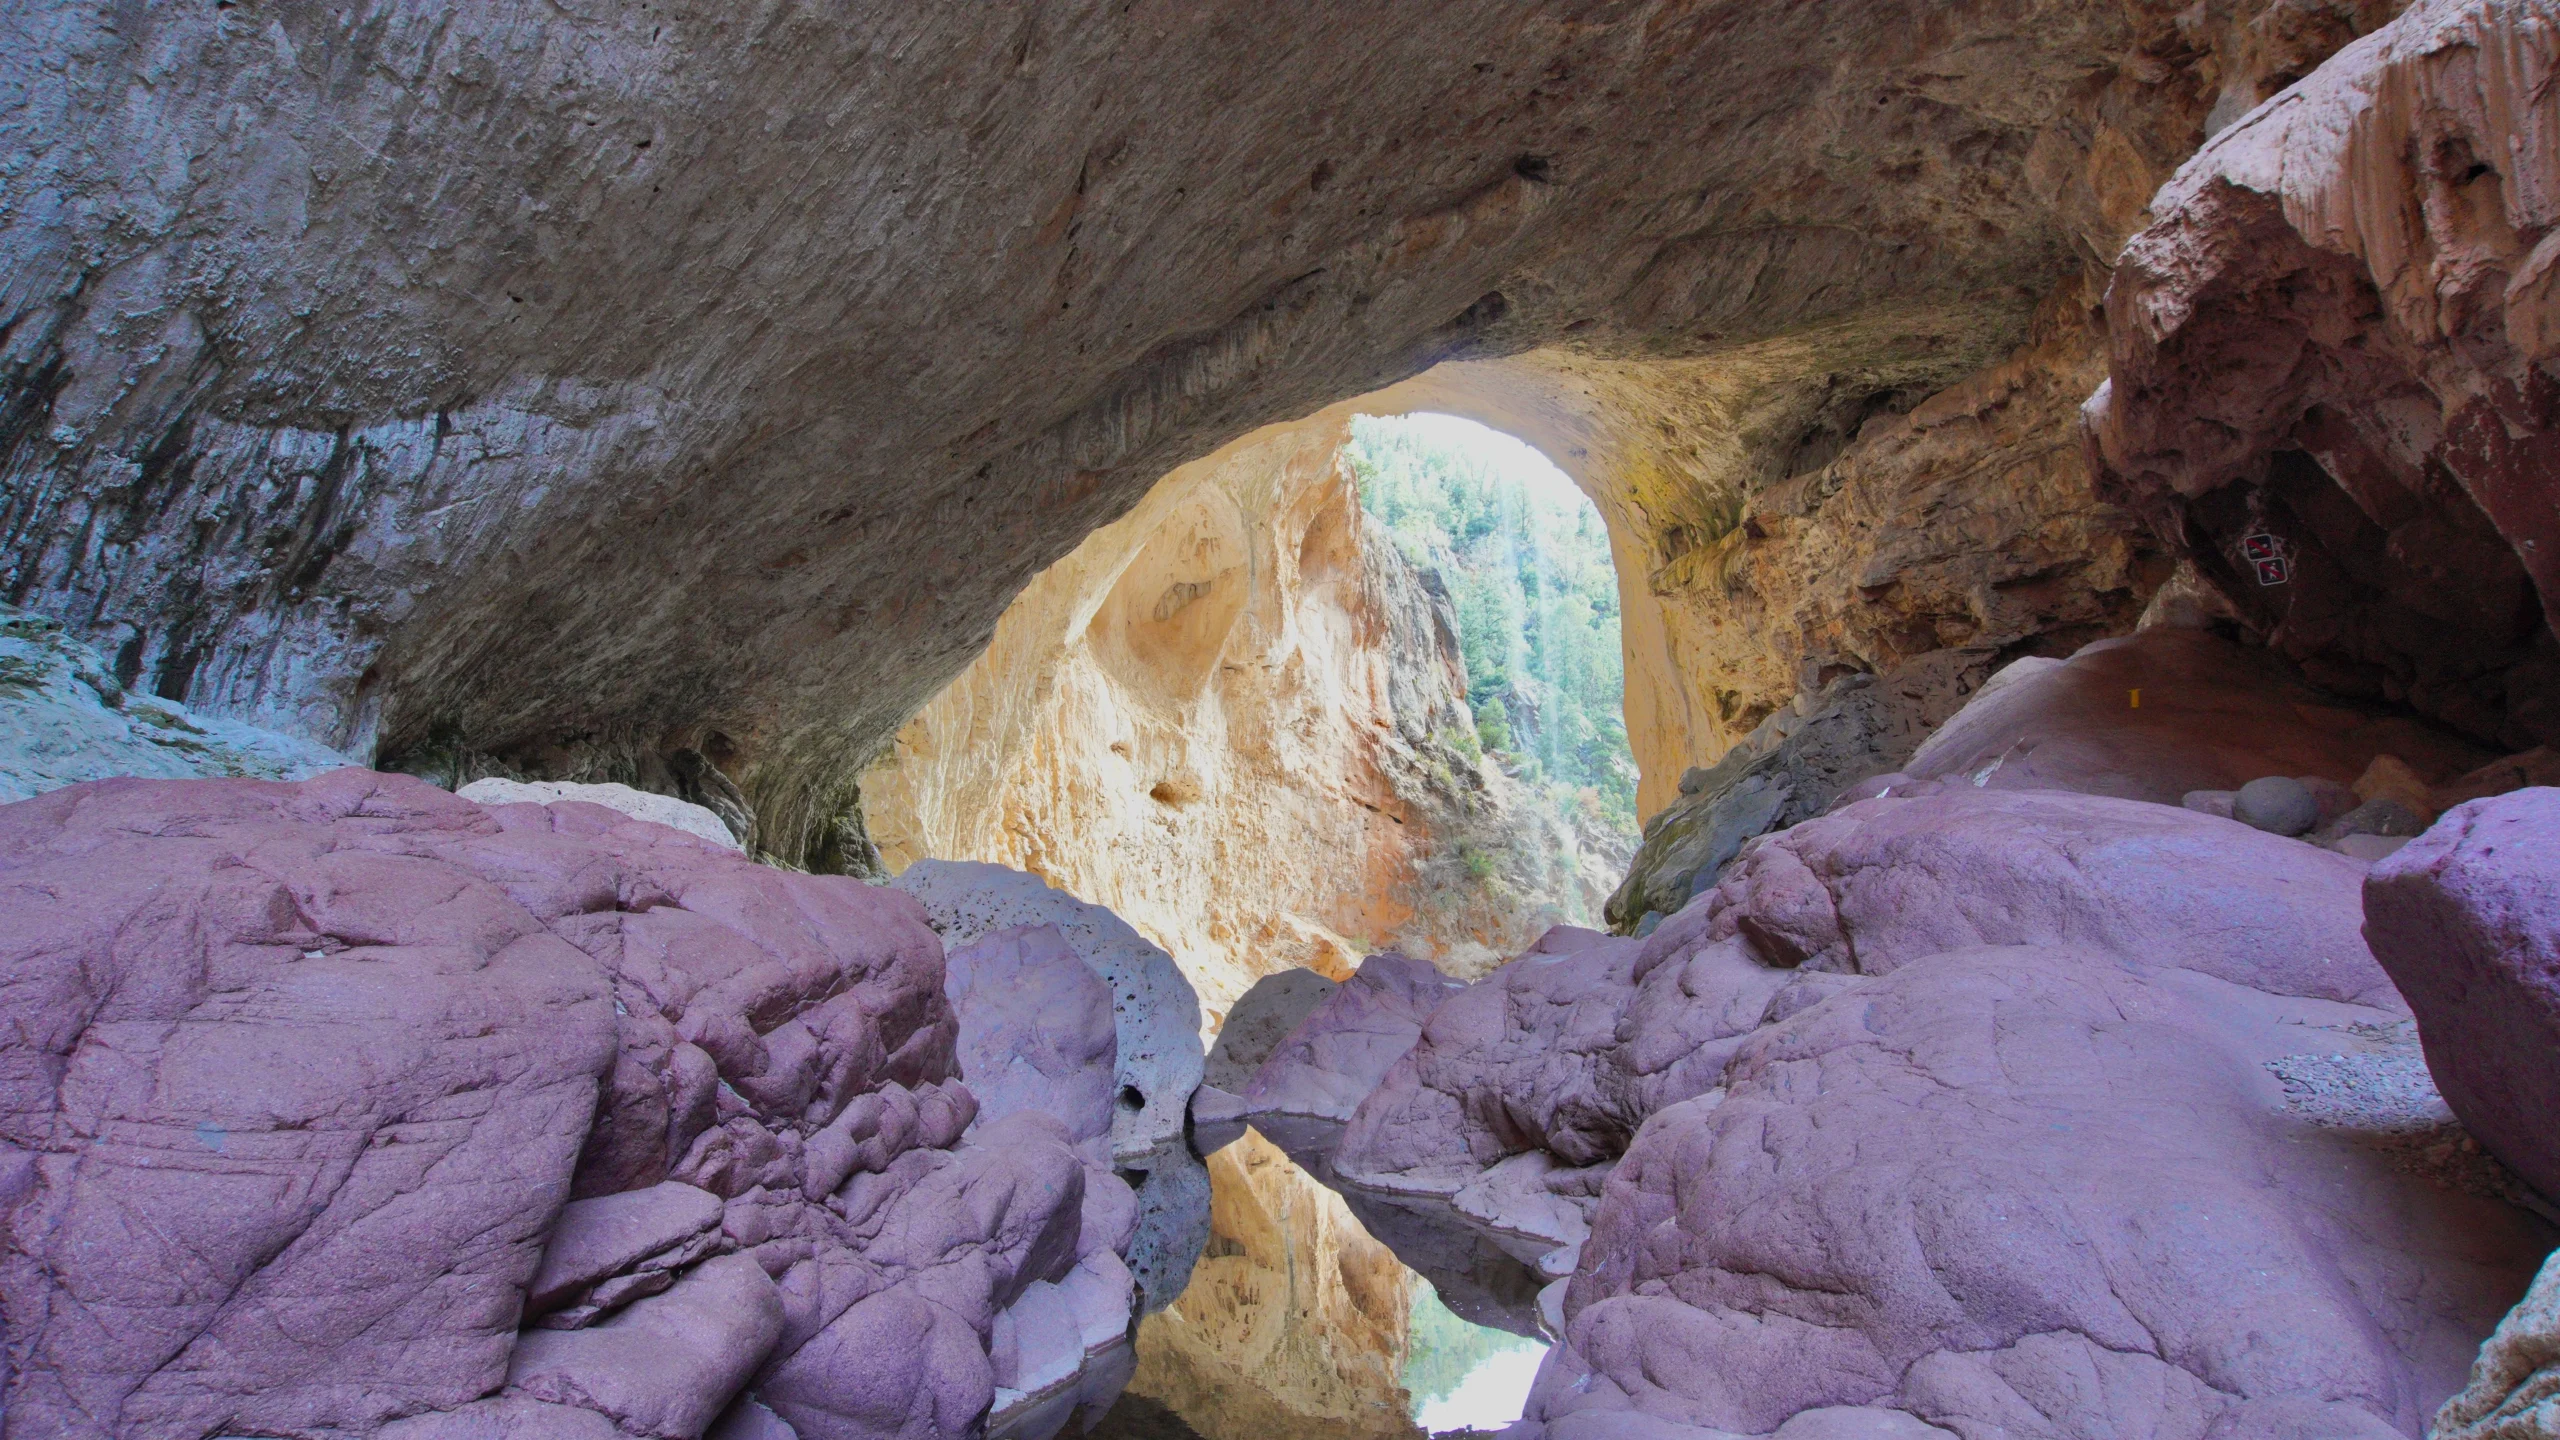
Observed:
{"x":1526,"y":562}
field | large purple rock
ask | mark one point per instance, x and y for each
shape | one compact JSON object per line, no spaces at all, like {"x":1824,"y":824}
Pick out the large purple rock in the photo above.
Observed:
{"x":1971,"y":1113}
{"x":1343,"y":1048}
{"x":1886,"y":880}
{"x":2467,"y":919}
{"x":299,"y":1081}
{"x":1036,"y":1032}
{"x":2027,"y":1190}
{"x":1572,"y":1046}
{"x":1541,"y":1055}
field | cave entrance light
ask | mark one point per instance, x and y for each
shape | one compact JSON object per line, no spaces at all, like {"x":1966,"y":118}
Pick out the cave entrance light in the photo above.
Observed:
{"x":1525,"y":558}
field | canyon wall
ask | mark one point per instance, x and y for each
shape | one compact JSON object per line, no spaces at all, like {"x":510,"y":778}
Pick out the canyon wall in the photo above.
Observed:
{"x":678,"y":397}
{"x":1237,"y":718}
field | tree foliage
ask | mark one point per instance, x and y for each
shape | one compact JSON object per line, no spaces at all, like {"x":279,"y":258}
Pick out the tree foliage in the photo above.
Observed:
{"x":1441,"y":1350}
{"x":1526,"y":561}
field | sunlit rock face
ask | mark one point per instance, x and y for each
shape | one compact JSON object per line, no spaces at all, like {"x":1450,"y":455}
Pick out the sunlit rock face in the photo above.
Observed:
{"x":1232,"y":718}
{"x":600,"y":391}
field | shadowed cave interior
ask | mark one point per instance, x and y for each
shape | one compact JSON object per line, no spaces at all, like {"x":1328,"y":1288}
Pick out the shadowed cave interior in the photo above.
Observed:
{"x":1570,"y":719}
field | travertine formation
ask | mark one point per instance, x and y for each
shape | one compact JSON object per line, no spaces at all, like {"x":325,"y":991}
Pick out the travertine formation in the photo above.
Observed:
{"x":636,"y":395}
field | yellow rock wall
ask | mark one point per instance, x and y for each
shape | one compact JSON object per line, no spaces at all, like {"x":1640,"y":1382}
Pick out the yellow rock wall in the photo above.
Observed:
{"x":1294,"y":1322}
{"x":1220,"y":717}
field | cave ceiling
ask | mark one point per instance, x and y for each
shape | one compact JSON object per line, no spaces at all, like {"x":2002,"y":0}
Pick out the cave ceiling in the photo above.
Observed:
{"x":530,"y":376}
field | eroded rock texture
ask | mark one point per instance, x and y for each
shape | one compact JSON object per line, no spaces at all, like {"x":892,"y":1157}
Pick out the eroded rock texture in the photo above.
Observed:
{"x":65,"y":719}
{"x":2341,"y":333}
{"x":1967,"y":1111}
{"x":1335,"y":1056}
{"x":1156,"y":1015}
{"x":316,"y":1093}
{"x":1788,"y":770}
{"x":2173,"y":713}
{"x":2056,"y":1169}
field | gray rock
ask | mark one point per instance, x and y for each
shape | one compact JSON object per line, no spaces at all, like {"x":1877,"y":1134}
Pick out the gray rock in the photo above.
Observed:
{"x":1218,"y":1120}
{"x":1788,"y":771}
{"x":1156,"y":1011}
{"x":1340,"y":1052}
{"x":2370,"y":848}
{"x":1262,"y":1017}
{"x":2377,"y":817}
{"x":1172,"y":1186}
{"x":2277,"y":804}
{"x":750,"y":1420}
{"x":505,"y":1417}
{"x":65,"y":719}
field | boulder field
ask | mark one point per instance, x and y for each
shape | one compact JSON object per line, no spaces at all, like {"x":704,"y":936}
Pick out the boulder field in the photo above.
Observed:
{"x":351,"y":1107}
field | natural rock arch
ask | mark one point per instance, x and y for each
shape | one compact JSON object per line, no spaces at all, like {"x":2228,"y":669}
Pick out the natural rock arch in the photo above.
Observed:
{"x":567,"y":388}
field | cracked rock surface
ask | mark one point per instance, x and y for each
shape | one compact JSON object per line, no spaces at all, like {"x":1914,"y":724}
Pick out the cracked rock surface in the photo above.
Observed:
{"x":312,"y":1094}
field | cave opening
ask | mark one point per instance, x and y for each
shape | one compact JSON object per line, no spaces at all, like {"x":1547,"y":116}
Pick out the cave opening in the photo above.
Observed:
{"x":511,"y":502}
{"x":1522,"y":557}
{"x":1383,"y":644}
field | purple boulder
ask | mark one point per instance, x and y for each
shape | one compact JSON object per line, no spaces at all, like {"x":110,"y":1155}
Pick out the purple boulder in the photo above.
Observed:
{"x":2467,"y":919}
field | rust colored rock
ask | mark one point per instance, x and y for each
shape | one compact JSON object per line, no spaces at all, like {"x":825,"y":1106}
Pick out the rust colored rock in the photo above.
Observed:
{"x":2336,"y":345}
{"x":2157,"y":715}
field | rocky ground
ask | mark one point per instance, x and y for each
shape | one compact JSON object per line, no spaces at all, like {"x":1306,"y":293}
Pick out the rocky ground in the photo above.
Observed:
{"x":2017,"y":1110}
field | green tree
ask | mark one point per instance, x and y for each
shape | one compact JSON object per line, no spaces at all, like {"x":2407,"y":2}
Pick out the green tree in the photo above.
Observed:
{"x":1526,"y":560}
